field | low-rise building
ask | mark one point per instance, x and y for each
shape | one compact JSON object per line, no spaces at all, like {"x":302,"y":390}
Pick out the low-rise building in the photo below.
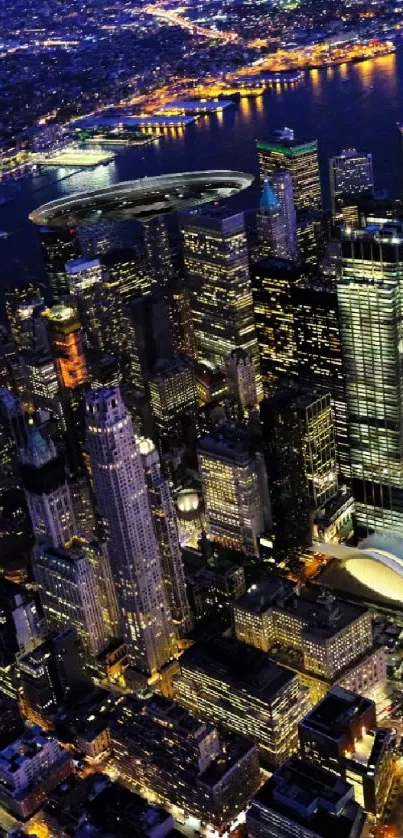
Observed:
{"x":182,"y":763}
{"x":306,"y":801}
{"x":324,"y":640}
{"x":341,"y":735}
{"x":226,"y":682}
{"x":29,"y":769}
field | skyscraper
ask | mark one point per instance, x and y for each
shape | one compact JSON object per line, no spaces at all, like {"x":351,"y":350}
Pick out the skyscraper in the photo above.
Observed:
{"x":300,"y":158}
{"x":46,"y":490}
{"x":276,"y":219}
{"x":85,"y":278}
{"x":122,"y":496}
{"x":272,"y":282}
{"x":234,"y":488}
{"x":66,"y":340}
{"x":286,"y":473}
{"x":58,"y":246}
{"x":173,"y":402}
{"x":369,"y":292}
{"x":217,"y":267}
{"x":70,"y":595}
{"x":166,"y":533}
{"x":242,"y":381}
{"x":351,"y":175}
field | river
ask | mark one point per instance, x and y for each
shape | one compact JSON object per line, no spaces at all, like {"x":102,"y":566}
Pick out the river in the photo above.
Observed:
{"x":350,"y":105}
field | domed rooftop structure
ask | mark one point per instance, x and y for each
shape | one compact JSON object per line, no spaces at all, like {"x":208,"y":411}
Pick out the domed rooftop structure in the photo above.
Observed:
{"x":377,"y":563}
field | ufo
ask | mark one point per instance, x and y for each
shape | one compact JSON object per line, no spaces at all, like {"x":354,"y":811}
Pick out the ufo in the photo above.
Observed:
{"x":141,"y":199}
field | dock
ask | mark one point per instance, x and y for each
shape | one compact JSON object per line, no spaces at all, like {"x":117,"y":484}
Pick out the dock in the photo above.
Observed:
{"x":195,"y":106}
{"x":74,"y":158}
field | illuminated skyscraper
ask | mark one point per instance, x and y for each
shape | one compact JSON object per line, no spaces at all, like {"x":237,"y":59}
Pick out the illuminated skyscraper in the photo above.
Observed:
{"x":276,"y":219}
{"x":300,"y":158}
{"x":58,"y":247}
{"x":318,"y":353}
{"x":272,"y":281}
{"x":47,"y":491}
{"x":66,"y":340}
{"x":351,"y":175}
{"x":24,"y":306}
{"x":234,"y":488}
{"x":370,"y":304}
{"x":297,"y":322}
{"x":217,"y":266}
{"x":318,"y":446}
{"x":242,"y":381}
{"x":85,"y":278}
{"x":286,"y":473}
{"x":123,"y":503}
{"x":166,"y":533}
{"x":70,"y":595}
{"x":173,"y":402}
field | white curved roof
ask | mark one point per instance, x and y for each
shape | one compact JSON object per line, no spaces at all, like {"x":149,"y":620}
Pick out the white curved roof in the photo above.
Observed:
{"x":377,"y":562}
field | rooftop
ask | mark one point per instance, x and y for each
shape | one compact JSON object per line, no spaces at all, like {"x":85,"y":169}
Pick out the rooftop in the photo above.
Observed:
{"x":335,"y":713}
{"x":317,"y":799}
{"x":321,"y":613}
{"x":244,"y":667}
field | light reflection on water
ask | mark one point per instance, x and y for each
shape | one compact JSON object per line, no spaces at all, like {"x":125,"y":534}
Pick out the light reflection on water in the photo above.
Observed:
{"x":343,"y":106}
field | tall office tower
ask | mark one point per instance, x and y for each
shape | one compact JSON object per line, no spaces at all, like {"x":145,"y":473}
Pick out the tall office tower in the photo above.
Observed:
{"x":217,"y":267}
{"x":272,"y":281}
{"x":151,"y":337}
{"x":70,"y":595}
{"x":351,"y":175}
{"x":53,"y":675}
{"x":14,"y":419}
{"x":65,"y":331}
{"x":71,"y":367}
{"x":58,"y":247}
{"x":85,"y":278}
{"x":46,"y":490}
{"x":184,"y":763}
{"x":285,"y":465}
{"x":121,"y":491}
{"x":173,"y":403}
{"x":305,"y":801}
{"x":97,"y":555}
{"x":300,"y":158}
{"x":228,"y":683}
{"x":127,"y":275}
{"x":159,"y":254}
{"x":24,"y":306}
{"x":319,"y":354}
{"x":318,"y":446}
{"x":242,"y":381}
{"x":29,"y":626}
{"x":44,"y":386}
{"x":341,"y":736}
{"x":235,"y":488}
{"x":276,"y":218}
{"x":166,"y":533}
{"x":369,"y":292}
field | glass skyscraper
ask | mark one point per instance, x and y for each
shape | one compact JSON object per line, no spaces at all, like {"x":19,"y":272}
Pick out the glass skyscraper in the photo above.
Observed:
{"x":370,"y":295}
{"x":217,"y":267}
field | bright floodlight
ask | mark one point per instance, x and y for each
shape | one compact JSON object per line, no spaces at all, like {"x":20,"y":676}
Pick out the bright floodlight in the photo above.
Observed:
{"x":141,"y":199}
